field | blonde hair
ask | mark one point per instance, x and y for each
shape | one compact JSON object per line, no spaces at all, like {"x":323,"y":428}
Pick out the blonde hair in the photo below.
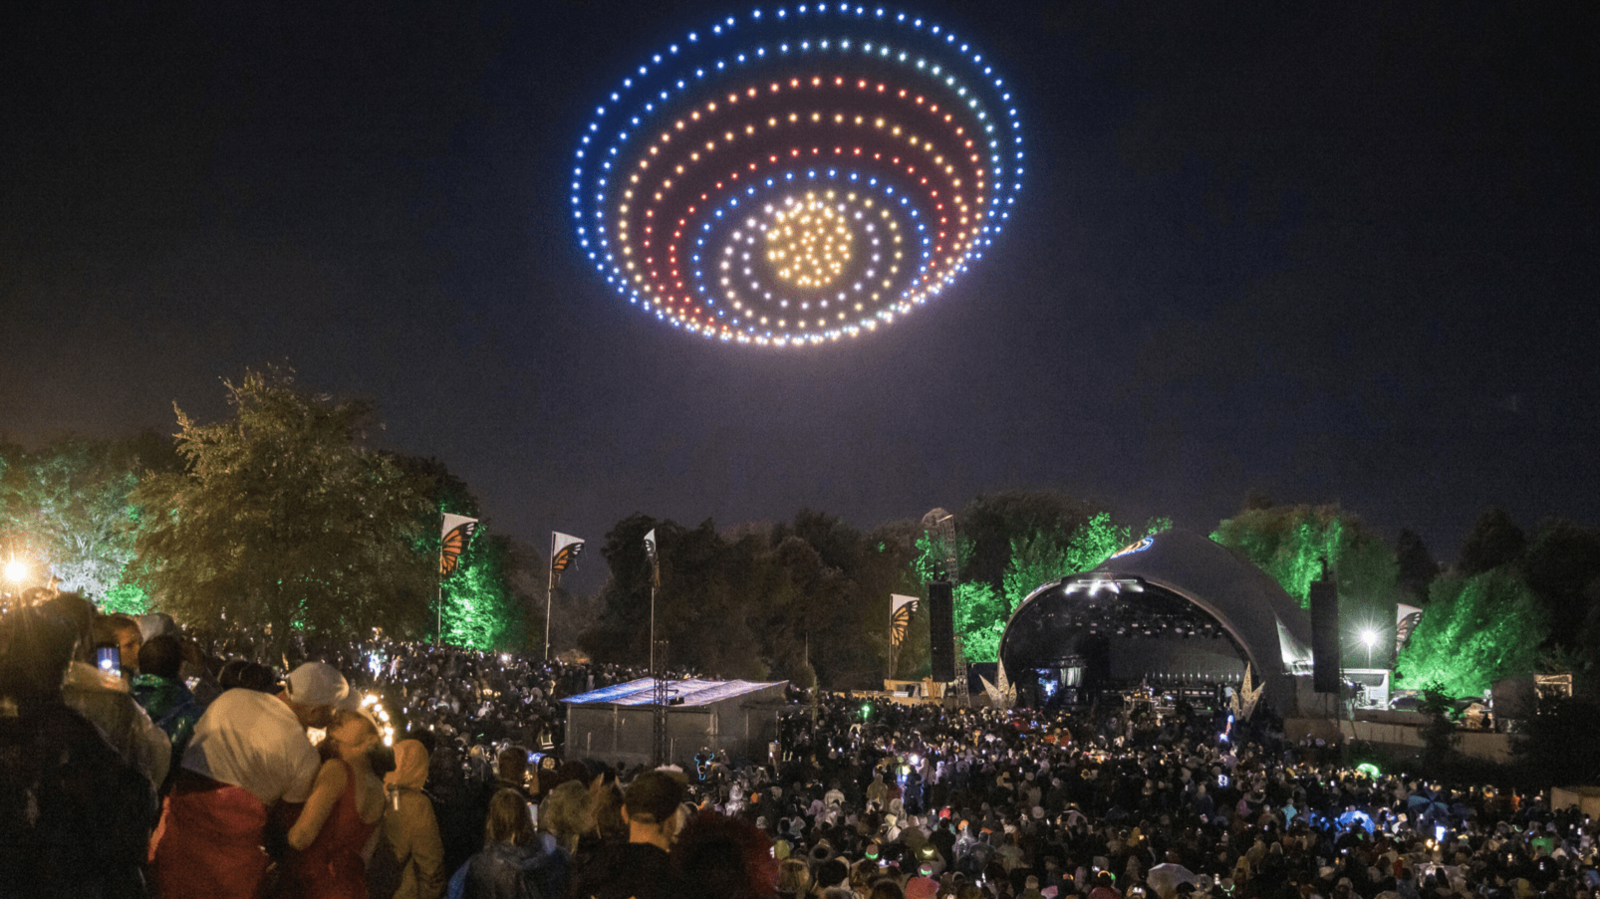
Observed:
{"x":568,"y":813}
{"x":342,"y":717}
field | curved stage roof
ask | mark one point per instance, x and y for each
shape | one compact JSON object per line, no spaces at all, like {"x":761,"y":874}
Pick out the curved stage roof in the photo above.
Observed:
{"x":1151,"y":592}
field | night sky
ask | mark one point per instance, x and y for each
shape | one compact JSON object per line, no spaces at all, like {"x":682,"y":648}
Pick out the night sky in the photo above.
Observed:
{"x":1328,"y":252}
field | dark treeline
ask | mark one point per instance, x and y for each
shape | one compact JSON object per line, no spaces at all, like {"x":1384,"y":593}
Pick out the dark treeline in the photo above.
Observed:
{"x":339,"y":536}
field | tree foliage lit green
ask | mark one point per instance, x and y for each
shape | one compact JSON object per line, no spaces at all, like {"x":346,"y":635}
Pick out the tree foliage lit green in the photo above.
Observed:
{"x":1043,"y":556}
{"x":126,"y":599}
{"x":1052,"y":549}
{"x":282,"y":519}
{"x":65,"y":507}
{"x":1290,"y":543}
{"x":981,"y":613}
{"x":1476,"y":629}
{"x":480,"y":609}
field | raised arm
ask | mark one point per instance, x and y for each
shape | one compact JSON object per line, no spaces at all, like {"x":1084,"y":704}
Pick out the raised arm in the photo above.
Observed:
{"x":324,"y":794}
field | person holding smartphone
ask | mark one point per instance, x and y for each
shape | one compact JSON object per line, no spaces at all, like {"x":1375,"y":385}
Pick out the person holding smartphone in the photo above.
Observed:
{"x":103,"y":696}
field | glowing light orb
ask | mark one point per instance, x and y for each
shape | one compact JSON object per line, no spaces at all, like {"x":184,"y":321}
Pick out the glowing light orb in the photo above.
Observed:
{"x":808,"y":242}
{"x":797,"y":175}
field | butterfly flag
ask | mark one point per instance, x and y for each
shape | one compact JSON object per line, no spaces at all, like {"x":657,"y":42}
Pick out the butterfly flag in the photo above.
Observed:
{"x":900,"y":611}
{"x":655,"y":560}
{"x":453,"y":537}
{"x":564,"y":549}
{"x":1406,"y":619}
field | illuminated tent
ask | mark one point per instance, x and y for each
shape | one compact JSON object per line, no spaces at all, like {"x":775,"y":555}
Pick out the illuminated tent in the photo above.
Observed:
{"x":1173,"y":608}
{"x":617,"y":723}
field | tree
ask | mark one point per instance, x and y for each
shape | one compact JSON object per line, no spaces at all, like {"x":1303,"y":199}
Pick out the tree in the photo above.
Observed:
{"x":806,"y":600}
{"x":1048,"y":555}
{"x":1290,"y":543}
{"x":1560,"y":745}
{"x":706,"y":610}
{"x":67,"y":505}
{"x":1494,"y":540}
{"x":283,"y":520}
{"x":992,"y":521}
{"x":480,"y":603}
{"x":1054,"y":547}
{"x":981,"y":614}
{"x":1417,"y":569}
{"x":1475,"y":631}
{"x":480,"y":610}
{"x":1287,"y":542}
{"x":622,"y":633}
{"x":1563,"y":560}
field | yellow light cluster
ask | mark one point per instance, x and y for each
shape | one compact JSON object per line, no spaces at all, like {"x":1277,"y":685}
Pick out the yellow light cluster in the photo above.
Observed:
{"x":809,"y":243}
{"x":370,"y":704}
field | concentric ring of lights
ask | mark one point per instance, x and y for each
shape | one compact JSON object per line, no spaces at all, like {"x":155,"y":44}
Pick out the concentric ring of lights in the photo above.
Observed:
{"x":797,"y":175}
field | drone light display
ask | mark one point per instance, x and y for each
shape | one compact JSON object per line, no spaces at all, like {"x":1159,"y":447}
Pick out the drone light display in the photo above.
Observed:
{"x":797,"y":175}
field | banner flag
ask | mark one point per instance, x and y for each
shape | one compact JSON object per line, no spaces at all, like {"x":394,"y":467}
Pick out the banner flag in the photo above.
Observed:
{"x":901,"y":609}
{"x":564,"y":549}
{"x":453,"y":537}
{"x":655,"y":561}
{"x":1406,"y":619}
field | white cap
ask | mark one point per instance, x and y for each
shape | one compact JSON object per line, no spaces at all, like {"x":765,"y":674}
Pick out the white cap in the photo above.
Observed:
{"x":317,"y":684}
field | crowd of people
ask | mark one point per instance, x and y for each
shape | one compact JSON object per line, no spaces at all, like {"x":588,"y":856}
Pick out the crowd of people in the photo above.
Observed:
{"x":139,"y":761}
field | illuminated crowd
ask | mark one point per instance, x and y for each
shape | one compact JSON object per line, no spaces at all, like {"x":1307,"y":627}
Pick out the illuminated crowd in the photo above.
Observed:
{"x":144,"y":762}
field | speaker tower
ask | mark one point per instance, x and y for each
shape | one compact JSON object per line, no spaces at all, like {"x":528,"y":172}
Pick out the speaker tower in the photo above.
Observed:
{"x":1325,"y":660}
{"x":941,"y":631}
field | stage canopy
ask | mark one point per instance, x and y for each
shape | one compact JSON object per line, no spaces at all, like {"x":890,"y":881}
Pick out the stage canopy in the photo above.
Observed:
{"x":1176,"y":607}
{"x":617,"y":723}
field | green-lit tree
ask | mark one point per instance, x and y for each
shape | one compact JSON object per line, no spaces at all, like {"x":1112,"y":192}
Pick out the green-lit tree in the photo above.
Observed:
{"x":1290,"y":543}
{"x":283,"y":520}
{"x":981,"y":613}
{"x":992,"y":521}
{"x":1057,"y":545}
{"x":1476,"y":630}
{"x":1043,"y":556}
{"x":66,"y":506}
{"x":478,"y":604}
{"x":480,"y":610}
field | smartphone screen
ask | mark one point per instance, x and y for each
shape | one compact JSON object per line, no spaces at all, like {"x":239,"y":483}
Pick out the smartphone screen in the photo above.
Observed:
{"x":109,"y":658}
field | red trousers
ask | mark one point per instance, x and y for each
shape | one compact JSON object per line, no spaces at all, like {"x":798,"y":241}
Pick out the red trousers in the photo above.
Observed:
{"x":209,"y":842}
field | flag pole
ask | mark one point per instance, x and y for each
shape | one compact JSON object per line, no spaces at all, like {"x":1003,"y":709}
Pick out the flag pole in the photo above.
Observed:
{"x":438,"y":597}
{"x":549,"y":593}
